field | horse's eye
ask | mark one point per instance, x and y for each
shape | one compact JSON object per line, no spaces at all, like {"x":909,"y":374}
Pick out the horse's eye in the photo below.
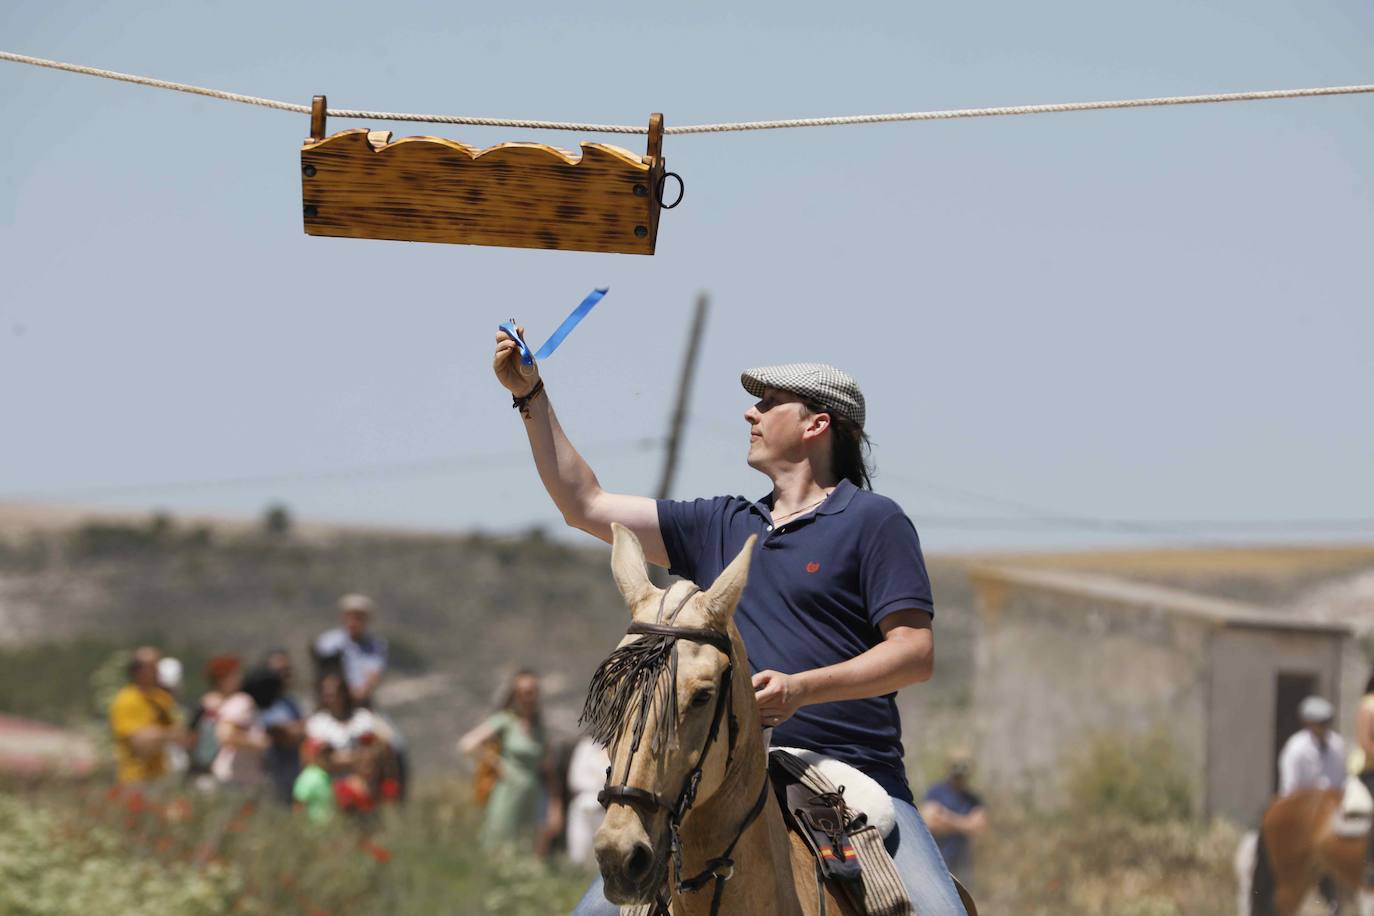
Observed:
{"x":702,"y":696}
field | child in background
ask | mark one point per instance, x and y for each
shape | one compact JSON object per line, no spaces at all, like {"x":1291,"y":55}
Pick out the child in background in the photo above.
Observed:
{"x":313,"y":792}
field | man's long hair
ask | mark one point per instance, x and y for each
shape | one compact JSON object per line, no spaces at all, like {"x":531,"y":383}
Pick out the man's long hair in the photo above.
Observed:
{"x":850,"y":447}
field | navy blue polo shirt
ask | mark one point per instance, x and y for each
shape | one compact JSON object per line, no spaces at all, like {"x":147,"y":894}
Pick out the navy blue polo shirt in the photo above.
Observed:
{"x":818,"y":588}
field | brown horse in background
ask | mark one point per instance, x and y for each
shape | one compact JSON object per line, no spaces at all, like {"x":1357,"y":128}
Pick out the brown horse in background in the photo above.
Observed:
{"x":1297,"y":848}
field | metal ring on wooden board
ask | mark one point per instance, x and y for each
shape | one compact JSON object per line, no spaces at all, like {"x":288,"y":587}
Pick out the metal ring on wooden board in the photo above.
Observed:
{"x":658,"y":189}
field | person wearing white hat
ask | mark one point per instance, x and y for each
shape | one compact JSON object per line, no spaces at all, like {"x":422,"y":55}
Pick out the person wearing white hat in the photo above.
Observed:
{"x":360,"y":653}
{"x":837,"y":616}
{"x":1314,"y":756}
{"x":169,"y":678}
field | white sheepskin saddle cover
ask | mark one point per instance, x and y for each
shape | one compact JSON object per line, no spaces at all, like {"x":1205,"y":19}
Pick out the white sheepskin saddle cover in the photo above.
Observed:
{"x":861,"y":791}
{"x":1357,"y":809}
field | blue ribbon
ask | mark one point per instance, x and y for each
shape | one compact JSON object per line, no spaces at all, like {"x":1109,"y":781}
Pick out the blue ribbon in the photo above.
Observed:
{"x":559,"y":335}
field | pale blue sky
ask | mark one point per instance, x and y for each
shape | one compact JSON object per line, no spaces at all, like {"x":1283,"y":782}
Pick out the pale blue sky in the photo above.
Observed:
{"x":1151,"y":314}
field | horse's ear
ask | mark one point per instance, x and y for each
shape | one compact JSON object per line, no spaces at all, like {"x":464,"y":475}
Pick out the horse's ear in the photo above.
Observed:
{"x":628,"y":566}
{"x":724,"y":593}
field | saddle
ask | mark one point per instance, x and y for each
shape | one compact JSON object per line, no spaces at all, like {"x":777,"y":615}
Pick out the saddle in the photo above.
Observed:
{"x":840,"y":826}
{"x":818,"y":794}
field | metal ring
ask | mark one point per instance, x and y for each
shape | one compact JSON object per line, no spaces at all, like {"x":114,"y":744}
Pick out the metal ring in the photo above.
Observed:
{"x":658,"y":189}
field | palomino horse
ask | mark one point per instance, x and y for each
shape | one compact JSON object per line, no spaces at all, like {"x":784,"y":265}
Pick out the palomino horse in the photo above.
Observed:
{"x":689,"y":807}
{"x":1297,"y":847}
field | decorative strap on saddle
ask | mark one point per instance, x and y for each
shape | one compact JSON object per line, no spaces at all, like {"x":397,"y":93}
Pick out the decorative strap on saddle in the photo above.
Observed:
{"x":875,"y":888}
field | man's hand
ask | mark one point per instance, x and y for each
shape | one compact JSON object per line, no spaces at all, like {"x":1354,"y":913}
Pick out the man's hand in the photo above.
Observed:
{"x":778,"y":696}
{"x":518,"y":378}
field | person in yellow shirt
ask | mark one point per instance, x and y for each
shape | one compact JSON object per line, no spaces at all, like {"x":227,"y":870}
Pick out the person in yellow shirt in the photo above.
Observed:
{"x":143,"y":720}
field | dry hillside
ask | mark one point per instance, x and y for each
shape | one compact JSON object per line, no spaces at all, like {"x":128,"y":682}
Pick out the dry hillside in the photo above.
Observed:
{"x":461,"y":611}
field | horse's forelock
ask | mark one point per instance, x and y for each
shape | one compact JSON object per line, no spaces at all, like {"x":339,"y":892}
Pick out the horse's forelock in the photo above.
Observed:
{"x":625,"y":685}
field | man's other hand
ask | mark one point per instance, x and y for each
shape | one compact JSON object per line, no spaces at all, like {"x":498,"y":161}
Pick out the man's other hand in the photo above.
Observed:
{"x":778,"y":696}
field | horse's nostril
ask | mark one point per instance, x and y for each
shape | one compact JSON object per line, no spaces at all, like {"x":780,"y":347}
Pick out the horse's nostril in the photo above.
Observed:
{"x":640,"y":861}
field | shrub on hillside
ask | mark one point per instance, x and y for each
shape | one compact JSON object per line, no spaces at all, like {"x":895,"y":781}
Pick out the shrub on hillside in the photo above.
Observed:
{"x":276,"y":520}
{"x":1104,"y":865}
{"x":97,"y":539}
{"x":1138,"y":777}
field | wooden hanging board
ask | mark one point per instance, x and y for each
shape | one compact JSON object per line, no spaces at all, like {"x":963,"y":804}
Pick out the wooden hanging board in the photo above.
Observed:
{"x":360,"y":184}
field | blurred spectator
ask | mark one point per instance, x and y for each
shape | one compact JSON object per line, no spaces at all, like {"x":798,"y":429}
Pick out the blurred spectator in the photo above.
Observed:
{"x":360,"y":741}
{"x":341,"y":724}
{"x":312,"y":791}
{"x":169,"y":678}
{"x":511,"y":817}
{"x":239,"y":732}
{"x":1314,"y":756}
{"x":169,"y":674}
{"x":224,"y":674}
{"x":360,"y":656}
{"x":955,"y":815}
{"x":586,"y":776}
{"x":143,"y":720}
{"x":284,"y":721}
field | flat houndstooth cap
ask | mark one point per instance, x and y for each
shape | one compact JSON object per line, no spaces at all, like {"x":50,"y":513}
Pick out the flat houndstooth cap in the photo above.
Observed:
{"x":832,"y":388}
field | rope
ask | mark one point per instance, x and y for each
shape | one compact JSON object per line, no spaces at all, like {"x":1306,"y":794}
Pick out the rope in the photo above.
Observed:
{"x":156,"y":84}
{"x":952,"y":114}
{"x":518,"y":124}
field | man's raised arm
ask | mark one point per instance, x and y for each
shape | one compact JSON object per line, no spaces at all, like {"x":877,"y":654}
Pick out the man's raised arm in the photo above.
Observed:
{"x":566,"y":476}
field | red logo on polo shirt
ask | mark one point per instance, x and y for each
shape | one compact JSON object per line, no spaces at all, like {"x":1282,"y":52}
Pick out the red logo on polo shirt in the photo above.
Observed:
{"x":813,"y":567}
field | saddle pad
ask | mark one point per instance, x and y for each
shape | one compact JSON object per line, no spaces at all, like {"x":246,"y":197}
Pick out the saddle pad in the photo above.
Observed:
{"x":1356,"y":811}
{"x":862,"y":794}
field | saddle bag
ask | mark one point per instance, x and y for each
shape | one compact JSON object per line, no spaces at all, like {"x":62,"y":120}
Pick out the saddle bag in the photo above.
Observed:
{"x":818,"y":818}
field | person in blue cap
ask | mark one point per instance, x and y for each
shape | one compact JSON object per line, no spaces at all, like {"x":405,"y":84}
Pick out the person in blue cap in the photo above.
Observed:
{"x":837,"y":616}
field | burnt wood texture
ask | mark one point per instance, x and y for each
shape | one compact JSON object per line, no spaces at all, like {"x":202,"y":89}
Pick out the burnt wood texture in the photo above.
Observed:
{"x":517,"y":195}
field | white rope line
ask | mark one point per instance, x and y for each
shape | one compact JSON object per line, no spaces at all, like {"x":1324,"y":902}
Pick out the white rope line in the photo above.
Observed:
{"x":944,"y":115}
{"x":156,"y":84}
{"x":953,"y":113}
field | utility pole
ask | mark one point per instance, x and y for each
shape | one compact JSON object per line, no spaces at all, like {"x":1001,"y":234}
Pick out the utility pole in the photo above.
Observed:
{"x":684,"y":390}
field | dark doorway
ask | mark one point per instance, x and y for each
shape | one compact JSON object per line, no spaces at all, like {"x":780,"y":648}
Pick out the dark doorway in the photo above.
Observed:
{"x":1291,"y":688}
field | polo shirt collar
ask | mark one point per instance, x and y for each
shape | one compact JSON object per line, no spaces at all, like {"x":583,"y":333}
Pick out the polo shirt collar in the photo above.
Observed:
{"x":835,"y":503}
{"x":839,"y":498}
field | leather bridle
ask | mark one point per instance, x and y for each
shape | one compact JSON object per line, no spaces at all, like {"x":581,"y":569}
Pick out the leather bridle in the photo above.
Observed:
{"x":719,"y":868}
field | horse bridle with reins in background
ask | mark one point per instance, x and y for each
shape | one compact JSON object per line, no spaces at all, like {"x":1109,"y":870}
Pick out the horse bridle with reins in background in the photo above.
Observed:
{"x":719,"y":868}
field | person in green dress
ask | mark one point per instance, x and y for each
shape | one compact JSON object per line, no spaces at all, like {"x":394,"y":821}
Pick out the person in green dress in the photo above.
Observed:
{"x":515,"y":732}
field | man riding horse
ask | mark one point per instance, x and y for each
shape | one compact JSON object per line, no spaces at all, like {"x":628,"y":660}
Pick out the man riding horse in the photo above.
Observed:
{"x":837,"y":616}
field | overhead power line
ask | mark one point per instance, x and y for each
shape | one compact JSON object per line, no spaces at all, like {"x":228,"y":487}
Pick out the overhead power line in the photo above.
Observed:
{"x":386,"y":471}
{"x":724,"y":127}
{"x":1034,"y":517}
{"x":1029,"y":516}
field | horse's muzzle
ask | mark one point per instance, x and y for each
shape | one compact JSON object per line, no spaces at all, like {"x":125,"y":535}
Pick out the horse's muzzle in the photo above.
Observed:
{"x":631,"y":866}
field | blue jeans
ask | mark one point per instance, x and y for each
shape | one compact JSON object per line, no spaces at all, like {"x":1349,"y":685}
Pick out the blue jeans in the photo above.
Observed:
{"x":913,"y":851}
